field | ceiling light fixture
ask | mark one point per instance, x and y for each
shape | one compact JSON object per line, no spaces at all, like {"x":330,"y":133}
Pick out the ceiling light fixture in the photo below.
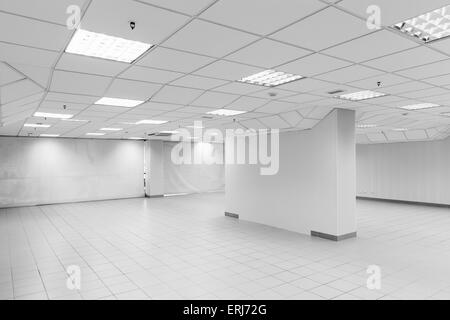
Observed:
{"x":226,"y":112}
{"x":36,"y":125}
{"x":270,"y":78}
{"x":365,"y":126}
{"x":427,"y":27}
{"x":420,"y":106}
{"x":52,"y":115}
{"x":151,"y":122}
{"x":400,"y":129}
{"x":49,"y":135}
{"x":75,"y":120}
{"x":111,"y":129}
{"x":169,"y":132}
{"x":361,"y":95}
{"x":136,"y":138}
{"x":95,"y":134}
{"x":118,"y":102}
{"x":102,"y":46}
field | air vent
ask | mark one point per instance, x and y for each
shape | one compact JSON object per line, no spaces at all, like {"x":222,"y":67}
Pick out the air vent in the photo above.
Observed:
{"x":336,"y":91}
{"x":207,"y":117}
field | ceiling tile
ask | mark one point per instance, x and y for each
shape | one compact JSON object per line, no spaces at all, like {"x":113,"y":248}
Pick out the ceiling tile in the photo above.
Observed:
{"x":227,"y":70}
{"x":443,"y":45}
{"x":427,"y":71}
{"x":189,"y":7}
{"x":177,"y":95}
{"x":25,"y":55}
{"x":416,"y":134}
{"x":214,"y":99}
{"x":238,"y":88}
{"x":39,"y":75}
{"x":272,"y":93}
{"x":344,"y":27}
{"x":439,"y":80}
{"x":67,"y":97}
{"x":84,"y":64}
{"x":349,"y":74}
{"x":247,"y":103}
{"x":274,"y":122}
{"x":371,"y":46}
{"x":253,"y":124}
{"x":79,"y":83}
{"x":32,"y":32}
{"x":175,"y":60}
{"x":48,"y":10}
{"x":313,"y":65}
{"x":376,"y":137}
{"x":8,"y":75}
{"x":385,"y":80}
{"x":202,"y":37}
{"x":405,"y":87}
{"x":302,"y":98}
{"x":131,"y":89}
{"x":150,"y":75}
{"x":260,"y":16}
{"x":406,"y":59}
{"x":425,"y":93}
{"x":292,"y":117}
{"x":113,"y":17}
{"x":198,"y":82}
{"x":277,"y":107}
{"x":267,"y":54}
{"x":17,"y":90}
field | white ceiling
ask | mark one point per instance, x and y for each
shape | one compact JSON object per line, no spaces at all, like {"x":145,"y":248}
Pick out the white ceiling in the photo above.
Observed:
{"x":202,"y":47}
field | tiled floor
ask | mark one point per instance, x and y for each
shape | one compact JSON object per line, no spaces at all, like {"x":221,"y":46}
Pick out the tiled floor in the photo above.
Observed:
{"x":184,"y":248}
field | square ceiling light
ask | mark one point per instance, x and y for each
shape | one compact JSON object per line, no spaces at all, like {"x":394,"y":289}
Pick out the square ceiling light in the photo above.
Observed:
{"x":102,"y":46}
{"x":270,"y":78}
{"x":36,"y":125}
{"x":118,"y":102}
{"x":226,"y":112}
{"x":427,"y":27}
{"x":52,"y":115}
{"x":361,"y":95}
{"x":151,"y":122}
{"x":420,"y":106}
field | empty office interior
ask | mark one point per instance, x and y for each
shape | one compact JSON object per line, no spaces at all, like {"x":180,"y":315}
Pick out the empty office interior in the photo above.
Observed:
{"x":224,"y":149}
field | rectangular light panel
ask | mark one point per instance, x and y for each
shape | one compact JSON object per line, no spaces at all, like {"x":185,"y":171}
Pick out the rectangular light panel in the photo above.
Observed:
{"x":365,"y":126}
{"x":95,"y":134}
{"x":361,"y":95}
{"x":111,"y":129}
{"x":151,"y":122}
{"x":226,"y":112}
{"x":36,"y":125}
{"x":102,"y":46}
{"x":420,"y":106}
{"x":427,"y":27}
{"x":117,"y":102}
{"x":135,"y":138}
{"x":53,"y":115}
{"x":270,"y":78}
{"x":49,"y":135}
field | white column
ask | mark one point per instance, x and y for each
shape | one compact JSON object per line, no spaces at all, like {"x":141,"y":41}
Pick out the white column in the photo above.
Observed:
{"x":314,"y":189}
{"x":154,"y":177}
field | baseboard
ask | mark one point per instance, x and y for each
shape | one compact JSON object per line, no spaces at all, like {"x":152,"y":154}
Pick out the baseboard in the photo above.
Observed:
{"x":333,"y":237}
{"x":429,"y":204}
{"x":231,"y":215}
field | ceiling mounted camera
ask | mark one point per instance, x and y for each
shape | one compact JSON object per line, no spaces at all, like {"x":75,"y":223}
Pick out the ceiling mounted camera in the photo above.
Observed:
{"x":132,"y":25}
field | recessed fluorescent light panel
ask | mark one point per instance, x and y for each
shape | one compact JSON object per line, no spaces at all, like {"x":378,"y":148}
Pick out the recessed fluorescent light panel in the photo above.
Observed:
{"x":49,"y":135}
{"x":361,"y":95}
{"x":36,"y":125}
{"x":420,"y":106}
{"x":151,"y":122}
{"x":102,"y":46}
{"x":111,"y":129}
{"x":365,"y":126}
{"x":75,"y":120}
{"x":52,"y":115}
{"x":270,"y":78}
{"x":135,"y":138}
{"x":95,"y":134}
{"x":400,"y":129}
{"x":226,"y":112}
{"x":168,"y":132}
{"x":429,"y":26}
{"x":117,"y":102}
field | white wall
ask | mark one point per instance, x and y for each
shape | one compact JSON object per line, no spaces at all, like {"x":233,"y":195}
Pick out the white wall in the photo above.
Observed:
{"x":195,"y":177}
{"x":314,"y":188}
{"x":410,"y":171}
{"x":45,"y":170}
